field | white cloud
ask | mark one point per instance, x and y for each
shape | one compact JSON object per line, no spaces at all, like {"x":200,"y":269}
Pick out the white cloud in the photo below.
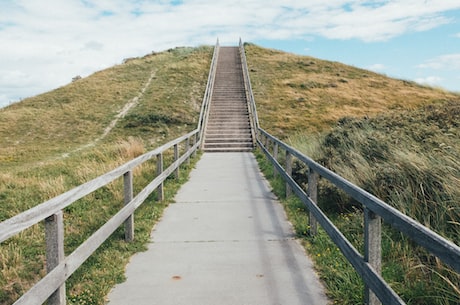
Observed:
{"x":430,"y":80}
{"x":49,"y":42}
{"x":377,"y":67}
{"x":447,"y":61}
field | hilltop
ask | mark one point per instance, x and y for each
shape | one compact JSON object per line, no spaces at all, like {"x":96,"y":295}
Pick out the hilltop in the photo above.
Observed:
{"x":301,"y":93}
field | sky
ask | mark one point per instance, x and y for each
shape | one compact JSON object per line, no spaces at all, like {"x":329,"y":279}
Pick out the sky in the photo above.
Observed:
{"x":44,"y":44}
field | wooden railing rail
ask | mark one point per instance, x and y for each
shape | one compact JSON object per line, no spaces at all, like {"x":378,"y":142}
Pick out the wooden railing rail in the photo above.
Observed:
{"x":59,"y":268}
{"x":254,"y":119}
{"x":204,"y":113}
{"x":368,"y":266}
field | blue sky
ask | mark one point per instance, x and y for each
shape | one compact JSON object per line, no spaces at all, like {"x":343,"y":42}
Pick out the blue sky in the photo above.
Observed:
{"x":44,"y":44}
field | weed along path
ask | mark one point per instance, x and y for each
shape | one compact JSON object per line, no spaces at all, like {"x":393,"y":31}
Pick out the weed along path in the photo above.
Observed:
{"x":226,"y":240}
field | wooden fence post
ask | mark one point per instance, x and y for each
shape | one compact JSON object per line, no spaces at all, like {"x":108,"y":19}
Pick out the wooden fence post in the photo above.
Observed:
{"x":372,"y":249}
{"x":194,"y":143}
{"x":275,"y":156}
{"x":187,"y":148}
{"x":128,"y":192}
{"x":313,"y":194}
{"x":159,"y":171}
{"x":54,"y":237}
{"x":176,"y":157}
{"x":289,"y":172}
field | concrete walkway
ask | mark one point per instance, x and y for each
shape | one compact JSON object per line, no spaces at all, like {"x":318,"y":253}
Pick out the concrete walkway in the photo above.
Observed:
{"x":226,"y":240}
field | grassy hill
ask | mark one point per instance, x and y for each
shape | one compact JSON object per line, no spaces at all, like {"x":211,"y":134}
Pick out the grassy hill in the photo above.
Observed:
{"x":55,"y":141}
{"x":394,"y":138}
{"x":336,"y":113}
{"x":309,"y":95}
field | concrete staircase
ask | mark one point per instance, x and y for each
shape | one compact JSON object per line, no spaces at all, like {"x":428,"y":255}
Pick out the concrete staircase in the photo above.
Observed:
{"x":228,"y":128}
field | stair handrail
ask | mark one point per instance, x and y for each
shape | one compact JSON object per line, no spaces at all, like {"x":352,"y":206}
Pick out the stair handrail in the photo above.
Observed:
{"x":248,"y":86}
{"x":204,"y":113}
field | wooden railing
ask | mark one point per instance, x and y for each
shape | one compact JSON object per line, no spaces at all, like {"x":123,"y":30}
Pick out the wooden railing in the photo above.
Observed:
{"x":59,"y":268}
{"x":249,"y":95}
{"x":208,"y":93}
{"x":368,"y":266}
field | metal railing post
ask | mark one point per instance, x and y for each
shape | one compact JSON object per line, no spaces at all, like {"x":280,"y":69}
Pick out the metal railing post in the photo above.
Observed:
{"x":275,"y":156}
{"x":128,"y":196}
{"x":372,"y":250}
{"x":54,"y":237}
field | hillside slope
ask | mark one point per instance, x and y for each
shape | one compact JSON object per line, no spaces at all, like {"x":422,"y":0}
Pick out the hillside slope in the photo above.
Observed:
{"x":144,"y":89}
{"x":396,"y":139}
{"x":60,"y":139}
{"x":302,"y":93}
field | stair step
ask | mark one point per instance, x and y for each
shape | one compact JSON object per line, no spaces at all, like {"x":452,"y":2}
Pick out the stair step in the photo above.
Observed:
{"x":228,"y":135}
{"x":229,"y":123}
{"x":228,"y":149}
{"x":228,"y":127}
{"x":228,"y":144}
{"x":224,"y":141}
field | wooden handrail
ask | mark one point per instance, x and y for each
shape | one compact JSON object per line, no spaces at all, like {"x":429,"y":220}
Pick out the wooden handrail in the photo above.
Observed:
{"x":368,"y":265}
{"x":204,"y":113}
{"x":60,"y":268}
{"x":248,"y":86}
{"x":444,"y":249}
{"x":20,"y":222}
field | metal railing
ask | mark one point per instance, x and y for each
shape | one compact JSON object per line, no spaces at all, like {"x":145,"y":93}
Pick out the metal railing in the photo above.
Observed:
{"x":59,"y":268}
{"x":368,"y":266}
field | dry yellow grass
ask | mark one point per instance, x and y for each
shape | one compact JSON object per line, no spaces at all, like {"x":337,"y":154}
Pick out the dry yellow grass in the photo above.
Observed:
{"x":301,"y":93}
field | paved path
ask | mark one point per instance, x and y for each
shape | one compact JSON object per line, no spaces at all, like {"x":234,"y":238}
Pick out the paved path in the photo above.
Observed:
{"x":226,"y":240}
